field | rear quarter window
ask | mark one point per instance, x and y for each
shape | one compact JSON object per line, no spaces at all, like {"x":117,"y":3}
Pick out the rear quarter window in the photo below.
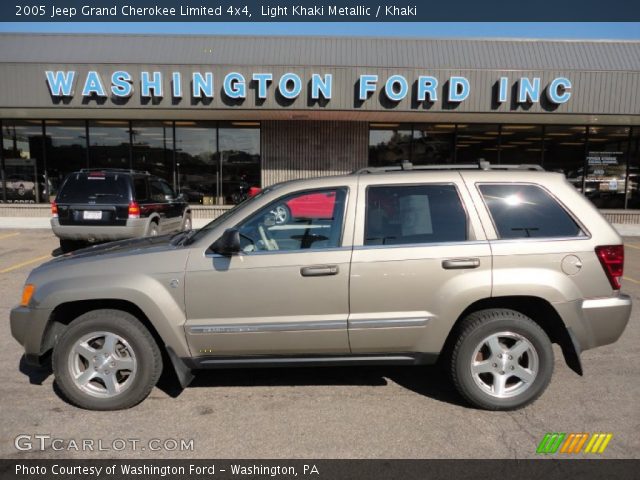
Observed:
{"x":527,"y":211}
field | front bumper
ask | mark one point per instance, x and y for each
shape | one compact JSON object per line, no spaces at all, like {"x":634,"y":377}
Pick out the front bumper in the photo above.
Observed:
{"x":135,"y":227}
{"x":596,"y":322}
{"x":28,"y":327}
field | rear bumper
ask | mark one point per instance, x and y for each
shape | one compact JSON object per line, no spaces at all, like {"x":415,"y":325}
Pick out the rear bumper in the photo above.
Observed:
{"x":596,"y":322}
{"x":135,"y":227}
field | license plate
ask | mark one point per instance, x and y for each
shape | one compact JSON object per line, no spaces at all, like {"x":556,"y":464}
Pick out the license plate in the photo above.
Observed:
{"x":92,"y":215}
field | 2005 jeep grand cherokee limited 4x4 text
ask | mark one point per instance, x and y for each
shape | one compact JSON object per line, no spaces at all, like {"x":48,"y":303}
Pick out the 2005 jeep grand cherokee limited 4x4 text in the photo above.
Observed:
{"x":483,"y":268}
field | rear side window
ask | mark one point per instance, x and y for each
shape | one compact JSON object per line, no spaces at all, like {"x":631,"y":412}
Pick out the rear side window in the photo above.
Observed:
{"x":95,"y":187}
{"x":527,"y":211}
{"x":140,"y":187}
{"x":409,"y":214}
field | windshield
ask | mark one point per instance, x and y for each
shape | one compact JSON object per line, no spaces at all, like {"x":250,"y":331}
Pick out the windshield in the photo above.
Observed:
{"x":198,"y":234}
{"x":95,"y":188}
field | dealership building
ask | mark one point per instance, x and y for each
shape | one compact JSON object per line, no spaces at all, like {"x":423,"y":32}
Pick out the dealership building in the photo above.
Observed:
{"x":216,"y":114}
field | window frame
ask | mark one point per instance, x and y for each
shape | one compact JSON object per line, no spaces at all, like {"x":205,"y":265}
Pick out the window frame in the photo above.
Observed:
{"x":468,"y":227}
{"x":255,"y":213}
{"x":586,"y":234}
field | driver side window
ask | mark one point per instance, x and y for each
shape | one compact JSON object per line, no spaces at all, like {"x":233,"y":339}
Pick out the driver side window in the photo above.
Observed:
{"x":312,"y":219}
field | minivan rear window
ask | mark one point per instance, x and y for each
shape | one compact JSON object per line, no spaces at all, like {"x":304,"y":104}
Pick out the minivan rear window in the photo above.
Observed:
{"x":95,"y":188}
{"x":527,"y":211}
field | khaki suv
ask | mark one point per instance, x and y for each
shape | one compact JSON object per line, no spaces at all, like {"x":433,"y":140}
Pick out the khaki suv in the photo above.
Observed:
{"x":483,"y":268}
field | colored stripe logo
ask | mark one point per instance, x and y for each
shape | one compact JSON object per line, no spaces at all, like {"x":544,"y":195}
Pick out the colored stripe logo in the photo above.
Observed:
{"x":573,"y":443}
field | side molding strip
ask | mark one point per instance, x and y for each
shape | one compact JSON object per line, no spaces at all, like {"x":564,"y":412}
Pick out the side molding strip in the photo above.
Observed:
{"x":269,"y":327}
{"x":388,"y":322}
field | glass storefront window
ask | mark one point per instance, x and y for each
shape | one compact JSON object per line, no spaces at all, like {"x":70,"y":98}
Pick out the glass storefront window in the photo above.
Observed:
{"x":389,"y":144}
{"x":476,"y":141}
{"x":633,"y":195}
{"x":196,"y":174}
{"x":607,"y":166}
{"x":521,"y":144}
{"x":22,"y":149}
{"x":239,"y":154}
{"x":564,"y":150}
{"x":66,"y":143}
{"x":109,"y":144}
{"x":152,"y":146}
{"x":432,"y":144}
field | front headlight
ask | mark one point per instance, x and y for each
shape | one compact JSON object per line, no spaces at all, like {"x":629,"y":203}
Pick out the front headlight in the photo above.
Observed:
{"x":27,"y":292}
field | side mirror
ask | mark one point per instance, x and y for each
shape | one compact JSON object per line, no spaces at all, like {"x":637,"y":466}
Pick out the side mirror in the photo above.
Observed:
{"x":181,"y":197}
{"x":228,"y":244}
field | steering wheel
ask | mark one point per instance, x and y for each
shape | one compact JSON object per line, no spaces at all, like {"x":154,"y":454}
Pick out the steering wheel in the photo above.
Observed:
{"x":250,"y":246}
{"x":270,"y":243}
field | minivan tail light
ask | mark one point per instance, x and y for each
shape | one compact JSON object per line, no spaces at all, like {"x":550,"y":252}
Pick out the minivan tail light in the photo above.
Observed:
{"x":612,"y":259}
{"x":54,"y":209}
{"x":134,"y":210}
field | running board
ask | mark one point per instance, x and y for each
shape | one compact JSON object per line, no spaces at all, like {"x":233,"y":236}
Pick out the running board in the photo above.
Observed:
{"x":266,"y":361}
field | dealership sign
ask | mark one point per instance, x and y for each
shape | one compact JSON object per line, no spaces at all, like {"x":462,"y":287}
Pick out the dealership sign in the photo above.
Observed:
{"x":289,"y":86}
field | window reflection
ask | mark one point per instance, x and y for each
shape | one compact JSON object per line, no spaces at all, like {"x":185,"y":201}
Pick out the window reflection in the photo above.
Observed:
{"x":239,"y":154}
{"x":196,"y":175}
{"x":521,"y":144}
{"x":606,"y":166}
{"x":109,"y":144}
{"x":564,"y":148}
{"x":152,"y":146}
{"x":389,"y":144}
{"x":633,"y":196}
{"x":474,"y":142}
{"x":66,"y":143}
{"x":22,"y":148}
{"x":433,"y":144}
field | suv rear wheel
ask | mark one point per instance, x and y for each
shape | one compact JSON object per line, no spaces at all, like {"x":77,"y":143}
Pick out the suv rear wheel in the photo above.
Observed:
{"x":153,"y":229}
{"x":106,"y":360}
{"x":67,"y":246}
{"x":502,"y":360}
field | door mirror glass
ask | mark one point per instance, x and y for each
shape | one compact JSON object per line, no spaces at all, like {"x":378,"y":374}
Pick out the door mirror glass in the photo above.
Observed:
{"x":228,"y":244}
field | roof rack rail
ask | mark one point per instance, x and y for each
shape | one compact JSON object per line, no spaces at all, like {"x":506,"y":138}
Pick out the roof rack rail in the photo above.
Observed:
{"x":109,"y":169}
{"x":481,"y":165}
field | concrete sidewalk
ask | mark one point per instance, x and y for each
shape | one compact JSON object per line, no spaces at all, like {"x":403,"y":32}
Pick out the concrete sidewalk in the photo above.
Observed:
{"x":20,"y":223}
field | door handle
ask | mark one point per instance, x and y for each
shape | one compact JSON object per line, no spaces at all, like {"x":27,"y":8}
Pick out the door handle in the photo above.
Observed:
{"x":459,"y":263}
{"x":319,"y":270}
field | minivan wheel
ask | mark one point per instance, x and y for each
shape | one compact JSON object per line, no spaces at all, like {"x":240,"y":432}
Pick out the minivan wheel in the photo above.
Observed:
{"x":106,"y":360}
{"x":502,"y":360}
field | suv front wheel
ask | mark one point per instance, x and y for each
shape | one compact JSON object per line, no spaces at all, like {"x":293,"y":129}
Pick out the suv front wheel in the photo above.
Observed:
{"x":106,"y":360}
{"x":502,"y":360}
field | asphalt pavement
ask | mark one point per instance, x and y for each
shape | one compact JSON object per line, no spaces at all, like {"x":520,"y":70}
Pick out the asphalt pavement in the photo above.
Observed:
{"x":358,"y":412}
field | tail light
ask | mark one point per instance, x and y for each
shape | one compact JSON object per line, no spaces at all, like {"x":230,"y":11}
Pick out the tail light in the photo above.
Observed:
{"x":134,"y":210}
{"x":612,"y":259}
{"x":54,"y":209}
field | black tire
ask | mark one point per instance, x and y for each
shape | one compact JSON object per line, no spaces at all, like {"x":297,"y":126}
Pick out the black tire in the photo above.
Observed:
{"x":67,"y":246}
{"x":148,"y":359}
{"x":187,"y":224}
{"x":153,"y":229}
{"x":490,"y":324}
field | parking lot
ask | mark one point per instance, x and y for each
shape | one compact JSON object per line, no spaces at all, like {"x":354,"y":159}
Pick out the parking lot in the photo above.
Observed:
{"x":353,"y":412}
